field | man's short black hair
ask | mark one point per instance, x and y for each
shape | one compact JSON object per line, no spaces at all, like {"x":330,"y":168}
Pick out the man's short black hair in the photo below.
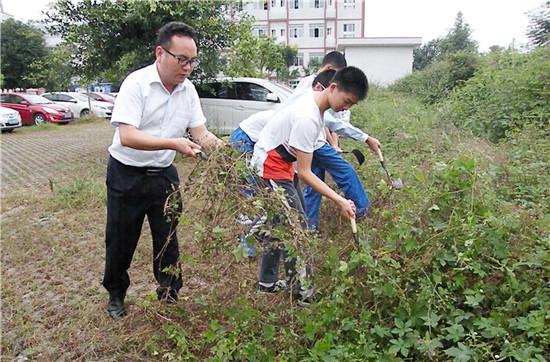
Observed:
{"x":336,"y":59}
{"x":352,"y":80}
{"x":167,"y":31}
{"x":324,"y":78}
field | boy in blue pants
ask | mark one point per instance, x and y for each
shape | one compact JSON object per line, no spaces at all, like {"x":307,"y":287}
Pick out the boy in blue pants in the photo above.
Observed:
{"x":290,"y":136}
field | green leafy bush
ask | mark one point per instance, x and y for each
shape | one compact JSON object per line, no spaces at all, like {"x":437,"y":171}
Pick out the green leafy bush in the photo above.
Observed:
{"x":435,"y":82}
{"x":452,"y":267}
{"x":508,"y":91}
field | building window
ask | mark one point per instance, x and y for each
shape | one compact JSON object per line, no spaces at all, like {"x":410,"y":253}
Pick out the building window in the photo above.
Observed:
{"x":259,"y":4}
{"x":273,"y":3}
{"x":296,"y":31}
{"x":316,"y":30}
{"x":299,"y":60}
{"x":329,"y":2}
{"x":317,"y":4}
{"x":316,"y":58}
{"x":295,"y":4}
{"x":329,"y":31}
{"x":282,"y":3}
{"x":349,"y":4}
{"x":282,"y":32}
{"x":349,"y":30}
{"x":273,"y":33}
{"x":259,"y":31}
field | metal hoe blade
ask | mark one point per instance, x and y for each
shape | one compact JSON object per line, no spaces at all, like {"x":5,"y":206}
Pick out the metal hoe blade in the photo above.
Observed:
{"x":396,"y":184}
{"x":359,"y":156}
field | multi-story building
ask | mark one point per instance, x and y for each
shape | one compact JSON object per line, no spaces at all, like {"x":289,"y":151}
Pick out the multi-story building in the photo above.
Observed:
{"x":312,"y":26}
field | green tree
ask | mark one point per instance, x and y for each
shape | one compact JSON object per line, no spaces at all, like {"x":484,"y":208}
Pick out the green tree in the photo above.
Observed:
{"x":458,"y":39}
{"x":21,"y":45}
{"x":109,"y":35}
{"x":253,"y":56}
{"x":270,"y":55}
{"x":52,"y":71}
{"x":539,"y":25}
{"x":243,"y":51}
{"x":313,"y":65}
{"x":427,"y":54}
{"x":289,"y":54}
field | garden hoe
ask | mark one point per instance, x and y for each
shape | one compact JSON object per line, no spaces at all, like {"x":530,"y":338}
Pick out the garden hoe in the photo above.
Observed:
{"x":394,"y":184}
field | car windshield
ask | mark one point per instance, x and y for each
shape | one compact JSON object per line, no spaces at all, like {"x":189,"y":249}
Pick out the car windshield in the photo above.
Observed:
{"x":286,"y":91}
{"x":107,"y":96}
{"x":81,"y":97}
{"x":34,"y":99}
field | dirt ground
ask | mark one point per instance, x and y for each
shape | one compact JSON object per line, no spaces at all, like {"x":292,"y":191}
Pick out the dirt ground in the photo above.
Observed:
{"x":31,"y":157}
{"x":53,"y":304}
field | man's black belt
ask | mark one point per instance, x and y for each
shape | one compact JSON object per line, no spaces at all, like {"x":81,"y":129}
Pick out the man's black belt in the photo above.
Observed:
{"x":150,"y":171}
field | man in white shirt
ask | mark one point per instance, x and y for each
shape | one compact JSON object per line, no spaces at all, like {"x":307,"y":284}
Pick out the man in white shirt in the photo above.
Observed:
{"x":291,"y":136}
{"x":154,"y":109}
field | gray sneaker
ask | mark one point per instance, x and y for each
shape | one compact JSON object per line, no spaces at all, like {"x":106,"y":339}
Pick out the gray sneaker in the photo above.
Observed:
{"x":272,"y":287}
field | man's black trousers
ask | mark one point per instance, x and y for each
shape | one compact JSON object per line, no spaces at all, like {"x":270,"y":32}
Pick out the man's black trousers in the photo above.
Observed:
{"x":132,"y":193}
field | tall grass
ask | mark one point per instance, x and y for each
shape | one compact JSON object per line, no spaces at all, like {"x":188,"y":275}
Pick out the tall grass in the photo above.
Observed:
{"x":450,"y":267}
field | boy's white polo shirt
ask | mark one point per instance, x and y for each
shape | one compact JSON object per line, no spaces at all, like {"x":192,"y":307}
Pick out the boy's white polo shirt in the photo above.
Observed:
{"x":294,"y":127}
{"x":144,"y":102}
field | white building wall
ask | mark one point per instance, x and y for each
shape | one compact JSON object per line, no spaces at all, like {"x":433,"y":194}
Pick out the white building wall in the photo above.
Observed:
{"x":383,"y":65}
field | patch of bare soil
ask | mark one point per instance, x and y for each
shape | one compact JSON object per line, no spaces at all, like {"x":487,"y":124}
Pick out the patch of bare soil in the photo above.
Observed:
{"x":53,"y":303}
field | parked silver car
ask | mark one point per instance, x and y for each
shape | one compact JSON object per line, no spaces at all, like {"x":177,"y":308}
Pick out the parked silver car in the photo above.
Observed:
{"x":10,"y":119}
{"x":80,"y":104}
{"x":228,"y":101}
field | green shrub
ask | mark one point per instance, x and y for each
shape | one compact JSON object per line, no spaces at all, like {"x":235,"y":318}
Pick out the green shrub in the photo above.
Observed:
{"x":523,"y":178}
{"x":451,"y":268}
{"x":508,"y":91}
{"x":435,"y":82}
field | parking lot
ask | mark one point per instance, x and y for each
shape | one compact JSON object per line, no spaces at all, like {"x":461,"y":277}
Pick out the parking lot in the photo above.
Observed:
{"x":34,"y":158}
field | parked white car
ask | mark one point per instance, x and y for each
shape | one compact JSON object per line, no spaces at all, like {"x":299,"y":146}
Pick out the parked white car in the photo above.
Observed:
{"x":80,"y":104}
{"x":228,"y":101}
{"x":10,"y":119}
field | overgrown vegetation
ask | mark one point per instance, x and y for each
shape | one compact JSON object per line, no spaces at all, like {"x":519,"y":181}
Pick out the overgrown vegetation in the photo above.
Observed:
{"x":491,"y":94}
{"x":509,"y":91}
{"x":435,"y":83}
{"x":452,"y":267}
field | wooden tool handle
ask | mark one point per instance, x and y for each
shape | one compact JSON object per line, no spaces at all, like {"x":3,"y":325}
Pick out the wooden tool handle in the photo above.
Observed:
{"x":353,"y":226}
{"x":380,"y":156}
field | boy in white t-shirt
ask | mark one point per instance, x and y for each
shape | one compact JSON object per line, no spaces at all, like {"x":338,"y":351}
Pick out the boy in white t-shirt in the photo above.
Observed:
{"x":290,"y":136}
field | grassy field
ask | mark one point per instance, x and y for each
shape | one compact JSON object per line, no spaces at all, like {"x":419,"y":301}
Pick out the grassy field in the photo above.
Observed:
{"x":451,"y":264}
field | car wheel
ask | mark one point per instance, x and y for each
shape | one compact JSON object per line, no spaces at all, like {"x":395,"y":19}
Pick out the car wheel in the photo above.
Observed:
{"x":84,"y":113}
{"x":39,"y":119}
{"x":9,"y":130}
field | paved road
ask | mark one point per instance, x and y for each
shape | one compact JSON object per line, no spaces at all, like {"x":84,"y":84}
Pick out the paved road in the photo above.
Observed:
{"x":33,"y":158}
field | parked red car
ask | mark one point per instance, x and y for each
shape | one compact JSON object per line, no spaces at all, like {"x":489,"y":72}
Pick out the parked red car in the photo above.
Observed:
{"x":36,"y":109}
{"x":102,"y":97}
